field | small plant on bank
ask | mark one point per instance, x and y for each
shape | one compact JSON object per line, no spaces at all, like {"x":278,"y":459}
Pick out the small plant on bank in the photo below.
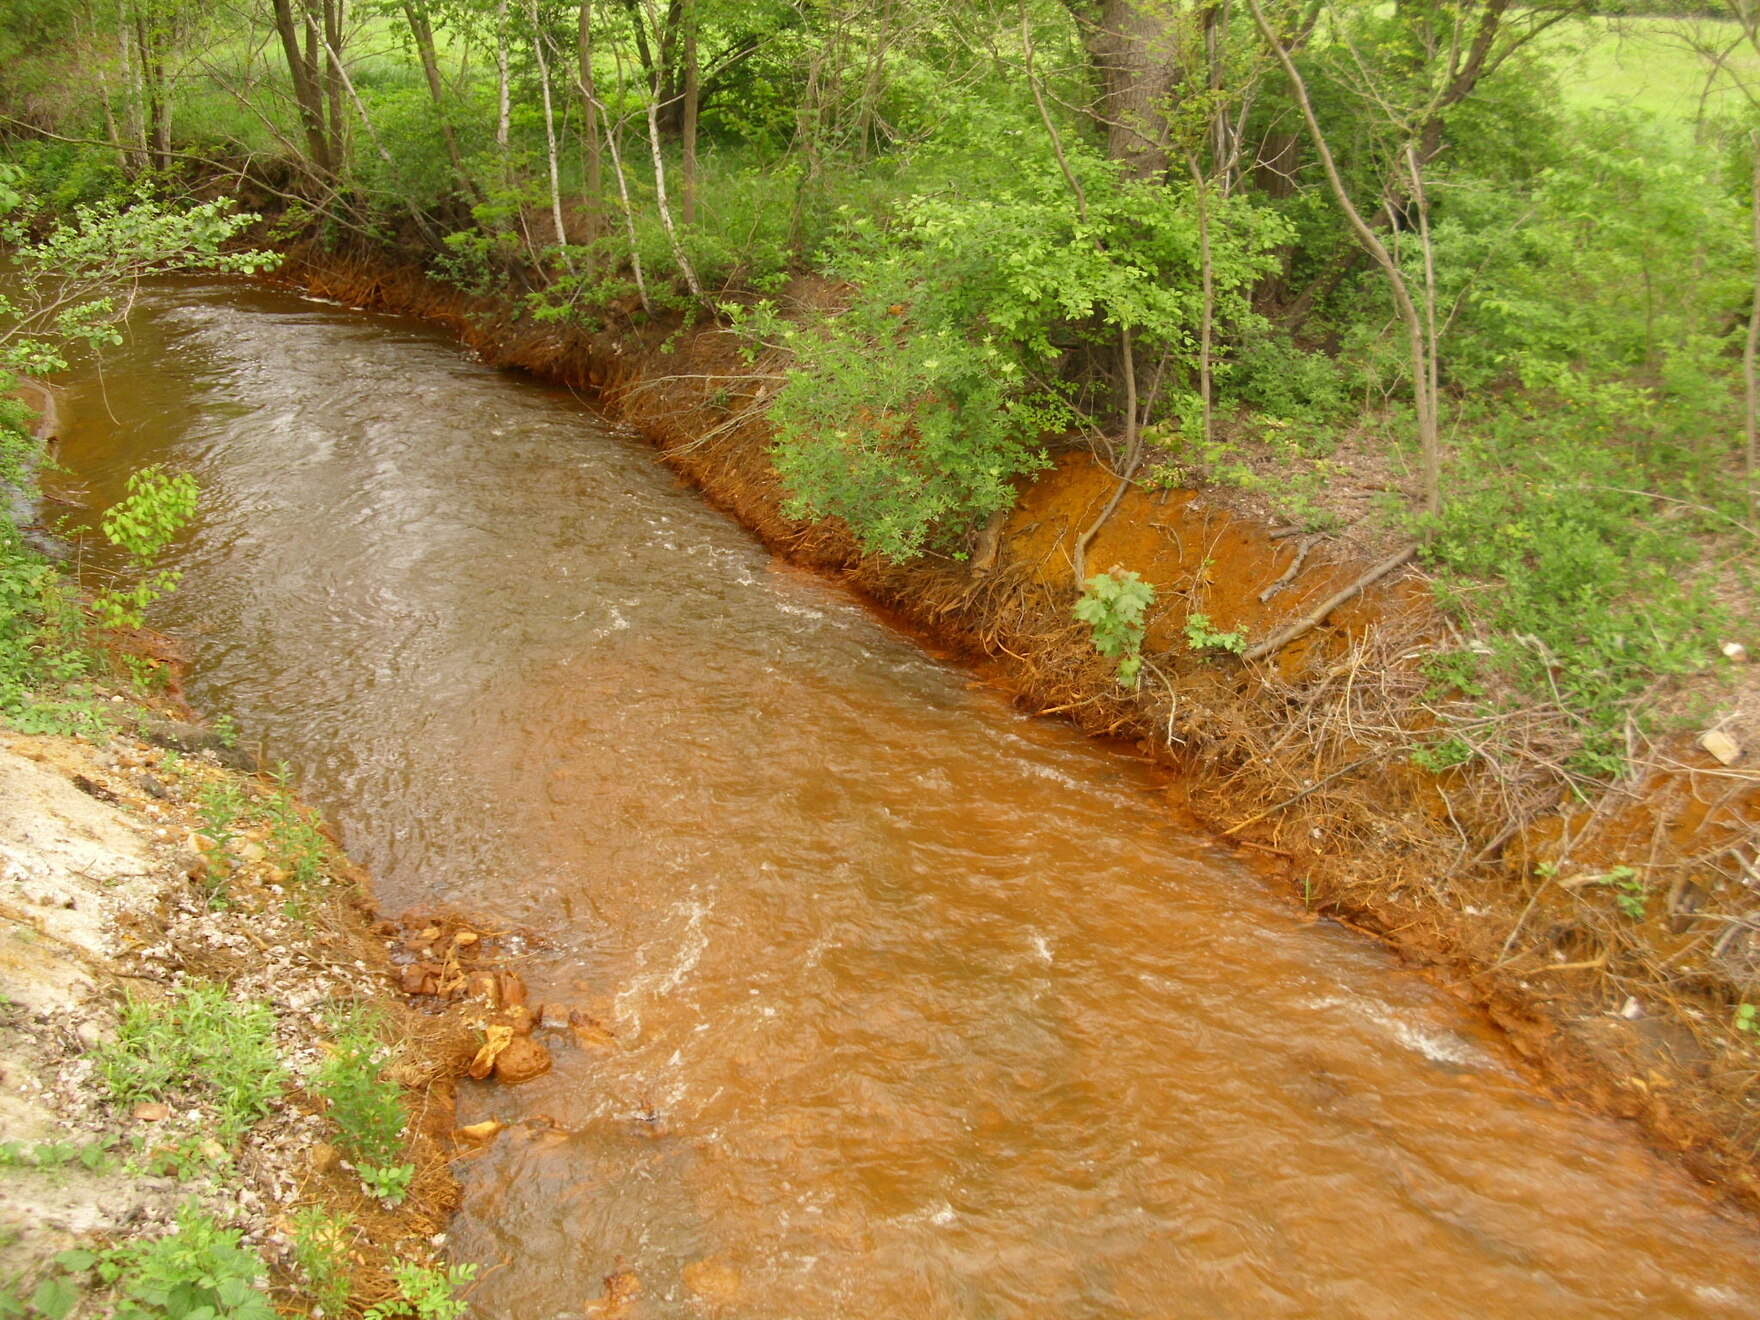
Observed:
{"x":199,"y":1272}
{"x":1112,"y":604}
{"x":1747,"y":1019}
{"x":157,"y":507}
{"x":221,"y":805}
{"x":199,"y":1043}
{"x":1201,"y":636}
{"x":1629,"y":890}
{"x":367,"y":1108}
{"x":428,"y":1293}
{"x":321,"y":1243}
{"x":294,"y":837}
{"x":1442,"y":755}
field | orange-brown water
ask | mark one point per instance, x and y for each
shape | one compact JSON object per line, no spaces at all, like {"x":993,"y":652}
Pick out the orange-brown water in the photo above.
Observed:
{"x":921,"y":1010}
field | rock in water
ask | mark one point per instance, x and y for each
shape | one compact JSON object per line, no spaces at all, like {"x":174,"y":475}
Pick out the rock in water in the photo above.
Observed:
{"x":522,"y":1060}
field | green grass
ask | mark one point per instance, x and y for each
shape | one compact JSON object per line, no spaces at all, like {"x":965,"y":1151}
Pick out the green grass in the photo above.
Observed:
{"x":1650,"y":65}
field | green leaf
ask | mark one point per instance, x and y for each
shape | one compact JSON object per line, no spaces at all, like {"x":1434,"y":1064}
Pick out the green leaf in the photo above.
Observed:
{"x":55,"y":1298}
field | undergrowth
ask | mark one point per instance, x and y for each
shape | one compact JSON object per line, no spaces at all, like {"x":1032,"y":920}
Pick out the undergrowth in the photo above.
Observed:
{"x":367,"y":1107}
{"x":202,"y":1046}
{"x":1577,"y":586}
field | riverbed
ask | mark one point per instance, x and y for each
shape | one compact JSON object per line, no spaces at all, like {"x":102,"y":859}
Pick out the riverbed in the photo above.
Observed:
{"x":913,"y":1006}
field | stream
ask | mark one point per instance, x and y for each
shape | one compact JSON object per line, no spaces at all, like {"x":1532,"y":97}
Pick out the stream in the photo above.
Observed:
{"x":922,"y":1009}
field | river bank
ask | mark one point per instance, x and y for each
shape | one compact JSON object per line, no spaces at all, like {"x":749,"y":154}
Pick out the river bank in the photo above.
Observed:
{"x":1493,"y":877}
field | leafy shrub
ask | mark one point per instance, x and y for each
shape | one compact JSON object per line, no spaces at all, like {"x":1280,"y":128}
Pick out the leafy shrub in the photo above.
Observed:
{"x":1593,"y":603}
{"x":426,"y":1293}
{"x":157,"y":507}
{"x":321,"y":1242}
{"x":1201,"y":636}
{"x":1112,"y":604}
{"x":915,"y":407}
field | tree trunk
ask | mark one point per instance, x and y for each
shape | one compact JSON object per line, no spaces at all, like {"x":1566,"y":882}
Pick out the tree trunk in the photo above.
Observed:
{"x":1420,"y":329}
{"x":594,"y":163}
{"x":306,"y":95}
{"x":549,"y":129}
{"x":679,"y":255}
{"x":1134,"y":47}
{"x":1750,"y":371}
{"x":504,"y":102}
{"x":687,"y":170}
{"x":334,"y":78}
{"x":421,"y":29}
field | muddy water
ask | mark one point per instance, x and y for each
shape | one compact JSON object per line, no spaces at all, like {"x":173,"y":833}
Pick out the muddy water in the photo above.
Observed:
{"x":921,"y":1008}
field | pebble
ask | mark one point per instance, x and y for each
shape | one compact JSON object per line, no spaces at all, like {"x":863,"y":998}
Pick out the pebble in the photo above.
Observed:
{"x":1721,"y":746}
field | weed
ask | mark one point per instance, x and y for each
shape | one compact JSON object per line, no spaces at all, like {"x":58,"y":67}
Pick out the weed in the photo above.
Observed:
{"x":221,"y":805}
{"x":321,"y":1242}
{"x":428,"y":1293}
{"x":1442,"y":755}
{"x":1200,"y":636}
{"x":199,"y":1272}
{"x":92,"y":1155}
{"x":1747,"y":1018}
{"x":367,"y":1108}
{"x":199,"y":1043}
{"x":294,"y":836}
{"x":1112,"y":604}
{"x":1629,"y":890}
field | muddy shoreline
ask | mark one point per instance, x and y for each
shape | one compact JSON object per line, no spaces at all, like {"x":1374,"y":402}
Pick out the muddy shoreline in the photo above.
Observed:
{"x":1272,"y":756}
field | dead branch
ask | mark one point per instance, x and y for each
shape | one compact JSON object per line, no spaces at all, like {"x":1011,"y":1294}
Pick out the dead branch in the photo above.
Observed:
{"x":1307,"y":623}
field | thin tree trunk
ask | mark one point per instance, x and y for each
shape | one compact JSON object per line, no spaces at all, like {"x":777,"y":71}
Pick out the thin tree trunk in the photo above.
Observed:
{"x":504,"y":101}
{"x":305,"y":94}
{"x":1432,"y":454}
{"x":334,"y":78}
{"x":1423,"y":365}
{"x":111,"y":131}
{"x":549,"y":130}
{"x":1751,"y":351}
{"x":594,"y":163}
{"x":1206,"y":274}
{"x":137,"y":122}
{"x":421,"y":28}
{"x":1133,"y":454}
{"x":679,"y":255}
{"x":687,"y":170}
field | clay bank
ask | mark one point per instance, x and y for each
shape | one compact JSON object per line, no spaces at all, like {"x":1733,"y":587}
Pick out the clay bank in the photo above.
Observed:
{"x":864,"y":990}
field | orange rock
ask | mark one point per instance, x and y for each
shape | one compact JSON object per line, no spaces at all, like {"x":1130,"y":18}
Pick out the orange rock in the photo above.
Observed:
{"x":479,"y":1134}
{"x":325,"y":1157}
{"x":518,"y":1018}
{"x":513,"y":990}
{"x":522,"y":1060}
{"x":497,"y":1038}
{"x":484,"y":985}
{"x":151,"y":1111}
{"x":413,"y":975}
